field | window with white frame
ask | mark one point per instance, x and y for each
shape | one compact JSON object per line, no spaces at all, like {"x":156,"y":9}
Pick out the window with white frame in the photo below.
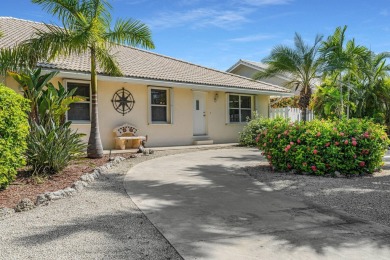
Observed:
{"x":159,"y":105}
{"x":80,"y":111}
{"x":240,"y":107}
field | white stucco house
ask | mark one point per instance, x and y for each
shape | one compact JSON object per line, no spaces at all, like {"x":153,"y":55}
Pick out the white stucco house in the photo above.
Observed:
{"x":172,"y":101}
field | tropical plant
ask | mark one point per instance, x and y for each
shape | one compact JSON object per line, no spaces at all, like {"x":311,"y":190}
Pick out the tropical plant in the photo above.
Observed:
{"x":301,"y":63}
{"x":55,"y":102}
{"x":250,"y":131}
{"x":350,"y":147}
{"x":51,"y":147}
{"x":86,"y":27}
{"x":32,"y":84}
{"x":13,"y":132}
{"x":341,"y":61}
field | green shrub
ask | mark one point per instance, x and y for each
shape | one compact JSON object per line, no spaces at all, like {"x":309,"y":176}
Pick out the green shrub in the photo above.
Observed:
{"x":50,"y":148}
{"x":248,"y":135}
{"x":349,"y":147}
{"x":13,"y":132}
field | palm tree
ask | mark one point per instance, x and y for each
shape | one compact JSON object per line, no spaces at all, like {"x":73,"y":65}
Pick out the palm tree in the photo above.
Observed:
{"x":370,"y":83}
{"x":340,"y":58}
{"x":86,"y":27}
{"x":301,"y":63}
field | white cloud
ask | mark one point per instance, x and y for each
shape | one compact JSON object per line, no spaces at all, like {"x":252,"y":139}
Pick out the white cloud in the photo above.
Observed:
{"x":253,"y":38}
{"x":200,"y":17}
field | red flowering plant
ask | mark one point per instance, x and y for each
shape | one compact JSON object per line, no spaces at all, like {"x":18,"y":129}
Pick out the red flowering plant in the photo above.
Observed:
{"x":319,"y":147}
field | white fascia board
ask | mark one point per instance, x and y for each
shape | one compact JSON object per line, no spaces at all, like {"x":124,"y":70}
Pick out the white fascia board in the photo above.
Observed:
{"x":163,"y":83}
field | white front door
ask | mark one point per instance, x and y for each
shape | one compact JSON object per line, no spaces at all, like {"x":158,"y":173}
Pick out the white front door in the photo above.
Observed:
{"x":199,"y":107}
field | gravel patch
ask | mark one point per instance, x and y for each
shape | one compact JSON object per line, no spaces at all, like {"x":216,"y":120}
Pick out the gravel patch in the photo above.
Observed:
{"x":366,"y":197}
{"x":101,"y":222}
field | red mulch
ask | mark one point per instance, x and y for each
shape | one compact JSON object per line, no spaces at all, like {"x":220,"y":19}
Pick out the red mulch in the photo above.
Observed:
{"x":25,"y":186}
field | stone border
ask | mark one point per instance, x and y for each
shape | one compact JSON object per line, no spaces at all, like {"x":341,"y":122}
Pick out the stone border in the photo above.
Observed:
{"x":45,"y":198}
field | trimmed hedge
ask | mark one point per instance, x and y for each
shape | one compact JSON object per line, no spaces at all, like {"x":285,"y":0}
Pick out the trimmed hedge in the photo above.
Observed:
{"x":350,"y":147}
{"x":13,"y":132}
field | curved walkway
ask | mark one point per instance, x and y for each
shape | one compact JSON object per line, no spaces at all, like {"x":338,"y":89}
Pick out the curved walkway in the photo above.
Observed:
{"x":209,"y":208}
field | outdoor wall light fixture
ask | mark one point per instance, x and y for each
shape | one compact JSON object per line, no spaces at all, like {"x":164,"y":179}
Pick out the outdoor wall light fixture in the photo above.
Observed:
{"x":216,"y":97}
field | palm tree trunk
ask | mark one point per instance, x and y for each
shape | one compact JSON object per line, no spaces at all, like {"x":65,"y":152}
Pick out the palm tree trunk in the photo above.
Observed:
{"x":95,"y":148}
{"x":304,"y":101}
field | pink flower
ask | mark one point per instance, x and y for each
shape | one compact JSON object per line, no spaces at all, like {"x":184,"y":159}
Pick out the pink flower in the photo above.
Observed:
{"x":270,"y":140}
{"x":315,"y":151}
{"x":286,"y":132}
{"x":341,"y":134}
{"x":265,"y":144}
{"x":346,"y":142}
{"x":299,"y":141}
{"x":314,"y":168}
{"x":288,"y":147}
{"x":362,"y":164}
{"x":327,"y":144}
{"x":318,"y":134}
{"x":278,"y":135}
{"x":289,"y":166}
{"x":353,"y":139}
{"x":292,"y":143}
{"x":354,"y":143}
{"x":269,"y":156}
{"x":354,"y":156}
{"x":257,"y":138}
{"x":336,"y":143}
{"x":334,"y":129}
{"x":366,"y":135}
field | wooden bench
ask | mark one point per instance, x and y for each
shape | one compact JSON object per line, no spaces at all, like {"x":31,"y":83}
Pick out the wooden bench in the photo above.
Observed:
{"x":126,"y":137}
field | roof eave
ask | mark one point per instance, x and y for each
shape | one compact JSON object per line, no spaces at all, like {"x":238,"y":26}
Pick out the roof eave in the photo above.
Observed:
{"x":166,"y":83}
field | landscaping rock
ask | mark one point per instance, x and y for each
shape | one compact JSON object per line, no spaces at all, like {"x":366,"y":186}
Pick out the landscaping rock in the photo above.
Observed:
{"x":337,"y":174}
{"x":24,"y":205}
{"x":41,"y":200}
{"x":79,"y":185}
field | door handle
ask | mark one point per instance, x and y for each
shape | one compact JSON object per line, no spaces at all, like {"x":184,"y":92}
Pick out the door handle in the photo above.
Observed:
{"x":204,"y":113}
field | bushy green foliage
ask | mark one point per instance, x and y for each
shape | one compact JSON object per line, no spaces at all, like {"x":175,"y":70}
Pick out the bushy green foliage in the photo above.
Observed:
{"x":352,"y":146}
{"x":13,"y":132}
{"x":248,"y":135}
{"x":51,"y":147}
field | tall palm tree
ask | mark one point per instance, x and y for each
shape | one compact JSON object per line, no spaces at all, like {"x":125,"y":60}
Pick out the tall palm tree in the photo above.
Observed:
{"x":301,"y":63}
{"x":86,"y":27}
{"x":340,"y":58}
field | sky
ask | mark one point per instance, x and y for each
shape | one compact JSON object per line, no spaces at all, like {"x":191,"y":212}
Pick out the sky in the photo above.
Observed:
{"x":217,"y":33}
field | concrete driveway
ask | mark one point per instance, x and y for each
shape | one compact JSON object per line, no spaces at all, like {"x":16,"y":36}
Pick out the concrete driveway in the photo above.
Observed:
{"x":209,"y":208}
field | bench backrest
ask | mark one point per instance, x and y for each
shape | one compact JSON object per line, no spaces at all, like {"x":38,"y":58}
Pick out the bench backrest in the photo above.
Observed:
{"x":125,"y":130}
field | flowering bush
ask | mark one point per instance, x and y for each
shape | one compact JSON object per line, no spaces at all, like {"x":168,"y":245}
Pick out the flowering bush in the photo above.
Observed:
{"x":252,"y":129}
{"x":352,"y":146}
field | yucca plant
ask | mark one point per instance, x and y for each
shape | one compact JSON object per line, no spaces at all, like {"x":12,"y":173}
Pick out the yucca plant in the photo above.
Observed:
{"x":52,"y":147}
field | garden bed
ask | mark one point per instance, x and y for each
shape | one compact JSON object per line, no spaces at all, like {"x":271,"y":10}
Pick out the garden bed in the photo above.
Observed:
{"x":25,"y":186}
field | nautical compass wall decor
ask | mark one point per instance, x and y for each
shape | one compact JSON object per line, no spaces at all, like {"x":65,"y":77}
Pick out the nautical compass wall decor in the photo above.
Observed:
{"x":123,"y":101}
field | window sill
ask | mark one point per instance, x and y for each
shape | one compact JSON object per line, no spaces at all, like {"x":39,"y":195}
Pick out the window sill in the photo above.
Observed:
{"x":161,"y":123}
{"x":80,"y":122}
{"x":236,"y":123}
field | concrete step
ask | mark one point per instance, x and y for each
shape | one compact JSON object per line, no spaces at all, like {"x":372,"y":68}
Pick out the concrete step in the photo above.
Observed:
{"x":203,"y":142}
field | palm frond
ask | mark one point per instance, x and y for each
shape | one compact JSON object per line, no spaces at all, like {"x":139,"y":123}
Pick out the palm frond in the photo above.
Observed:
{"x":107,"y":62}
{"x":130,"y":32}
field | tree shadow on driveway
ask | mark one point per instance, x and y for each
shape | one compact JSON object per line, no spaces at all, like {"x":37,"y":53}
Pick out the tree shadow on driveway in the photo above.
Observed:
{"x":204,"y":208}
